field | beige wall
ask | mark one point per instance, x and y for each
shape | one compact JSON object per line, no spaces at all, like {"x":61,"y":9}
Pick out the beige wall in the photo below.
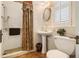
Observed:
{"x":77,"y":17}
{"x":0,"y":15}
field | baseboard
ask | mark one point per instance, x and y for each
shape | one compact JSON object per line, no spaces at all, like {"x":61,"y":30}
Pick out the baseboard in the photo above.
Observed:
{"x":9,"y":51}
{"x":13,"y":55}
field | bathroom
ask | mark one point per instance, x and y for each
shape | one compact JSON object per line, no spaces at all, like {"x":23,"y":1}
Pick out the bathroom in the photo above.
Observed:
{"x":12,"y":18}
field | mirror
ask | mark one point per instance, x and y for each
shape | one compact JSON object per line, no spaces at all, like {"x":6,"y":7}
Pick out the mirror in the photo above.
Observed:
{"x":47,"y":14}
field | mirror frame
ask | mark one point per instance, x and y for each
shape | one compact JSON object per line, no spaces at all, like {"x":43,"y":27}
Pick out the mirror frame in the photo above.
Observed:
{"x":49,"y":15}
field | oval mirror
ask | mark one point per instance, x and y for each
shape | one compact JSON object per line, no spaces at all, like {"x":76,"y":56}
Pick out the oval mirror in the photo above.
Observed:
{"x":47,"y":14}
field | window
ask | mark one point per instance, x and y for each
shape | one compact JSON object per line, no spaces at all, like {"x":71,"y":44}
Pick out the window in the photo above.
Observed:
{"x":62,"y":13}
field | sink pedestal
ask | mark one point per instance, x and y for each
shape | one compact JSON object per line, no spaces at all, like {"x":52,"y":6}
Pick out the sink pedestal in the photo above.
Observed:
{"x":44,"y":44}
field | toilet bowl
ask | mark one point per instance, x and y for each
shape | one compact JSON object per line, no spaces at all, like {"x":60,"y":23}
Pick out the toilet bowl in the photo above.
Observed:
{"x":65,"y":47}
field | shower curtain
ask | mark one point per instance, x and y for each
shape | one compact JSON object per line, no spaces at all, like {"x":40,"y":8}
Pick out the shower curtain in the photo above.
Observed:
{"x":27,"y":30}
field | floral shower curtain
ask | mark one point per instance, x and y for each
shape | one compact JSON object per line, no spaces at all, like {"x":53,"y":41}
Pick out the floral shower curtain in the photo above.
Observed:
{"x":27,"y":30}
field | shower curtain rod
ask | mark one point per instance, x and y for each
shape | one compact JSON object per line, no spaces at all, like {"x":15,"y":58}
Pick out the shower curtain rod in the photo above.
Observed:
{"x":22,"y":2}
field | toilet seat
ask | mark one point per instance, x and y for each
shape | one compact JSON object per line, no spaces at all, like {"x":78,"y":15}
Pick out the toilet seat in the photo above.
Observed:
{"x":56,"y":54}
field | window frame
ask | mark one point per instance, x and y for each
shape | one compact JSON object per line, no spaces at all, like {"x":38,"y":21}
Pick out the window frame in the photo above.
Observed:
{"x":60,"y":23}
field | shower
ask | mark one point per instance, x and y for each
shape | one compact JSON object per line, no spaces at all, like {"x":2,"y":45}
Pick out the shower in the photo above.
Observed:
{"x":11,"y":20}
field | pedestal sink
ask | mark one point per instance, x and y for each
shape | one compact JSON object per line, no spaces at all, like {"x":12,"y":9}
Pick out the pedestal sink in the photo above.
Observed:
{"x":44,"y":35}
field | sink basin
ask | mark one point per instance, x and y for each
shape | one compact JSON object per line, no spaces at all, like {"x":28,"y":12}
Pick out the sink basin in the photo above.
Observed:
{"x":45,"y":32}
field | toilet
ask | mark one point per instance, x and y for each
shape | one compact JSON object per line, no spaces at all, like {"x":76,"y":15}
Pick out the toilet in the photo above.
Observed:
{"x":65,"y":47}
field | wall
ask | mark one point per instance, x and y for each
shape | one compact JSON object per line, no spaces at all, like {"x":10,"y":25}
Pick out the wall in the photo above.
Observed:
{"x":0,"y":27}
{"x":37,"y":20}
{"x":38,"y":8}
{"x":77,"y":18}
{"x":0,"y":16}
{"x":14,"y":11}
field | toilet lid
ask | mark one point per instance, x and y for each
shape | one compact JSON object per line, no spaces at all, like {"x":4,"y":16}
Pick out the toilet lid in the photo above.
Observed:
{"x":56,"y":54}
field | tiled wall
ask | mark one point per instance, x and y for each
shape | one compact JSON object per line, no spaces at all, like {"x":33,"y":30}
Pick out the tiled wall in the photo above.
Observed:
{"x":14,"y":11}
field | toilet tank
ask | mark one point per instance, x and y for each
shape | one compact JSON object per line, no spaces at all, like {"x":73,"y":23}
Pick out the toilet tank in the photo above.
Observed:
{"x":65,"y":44}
